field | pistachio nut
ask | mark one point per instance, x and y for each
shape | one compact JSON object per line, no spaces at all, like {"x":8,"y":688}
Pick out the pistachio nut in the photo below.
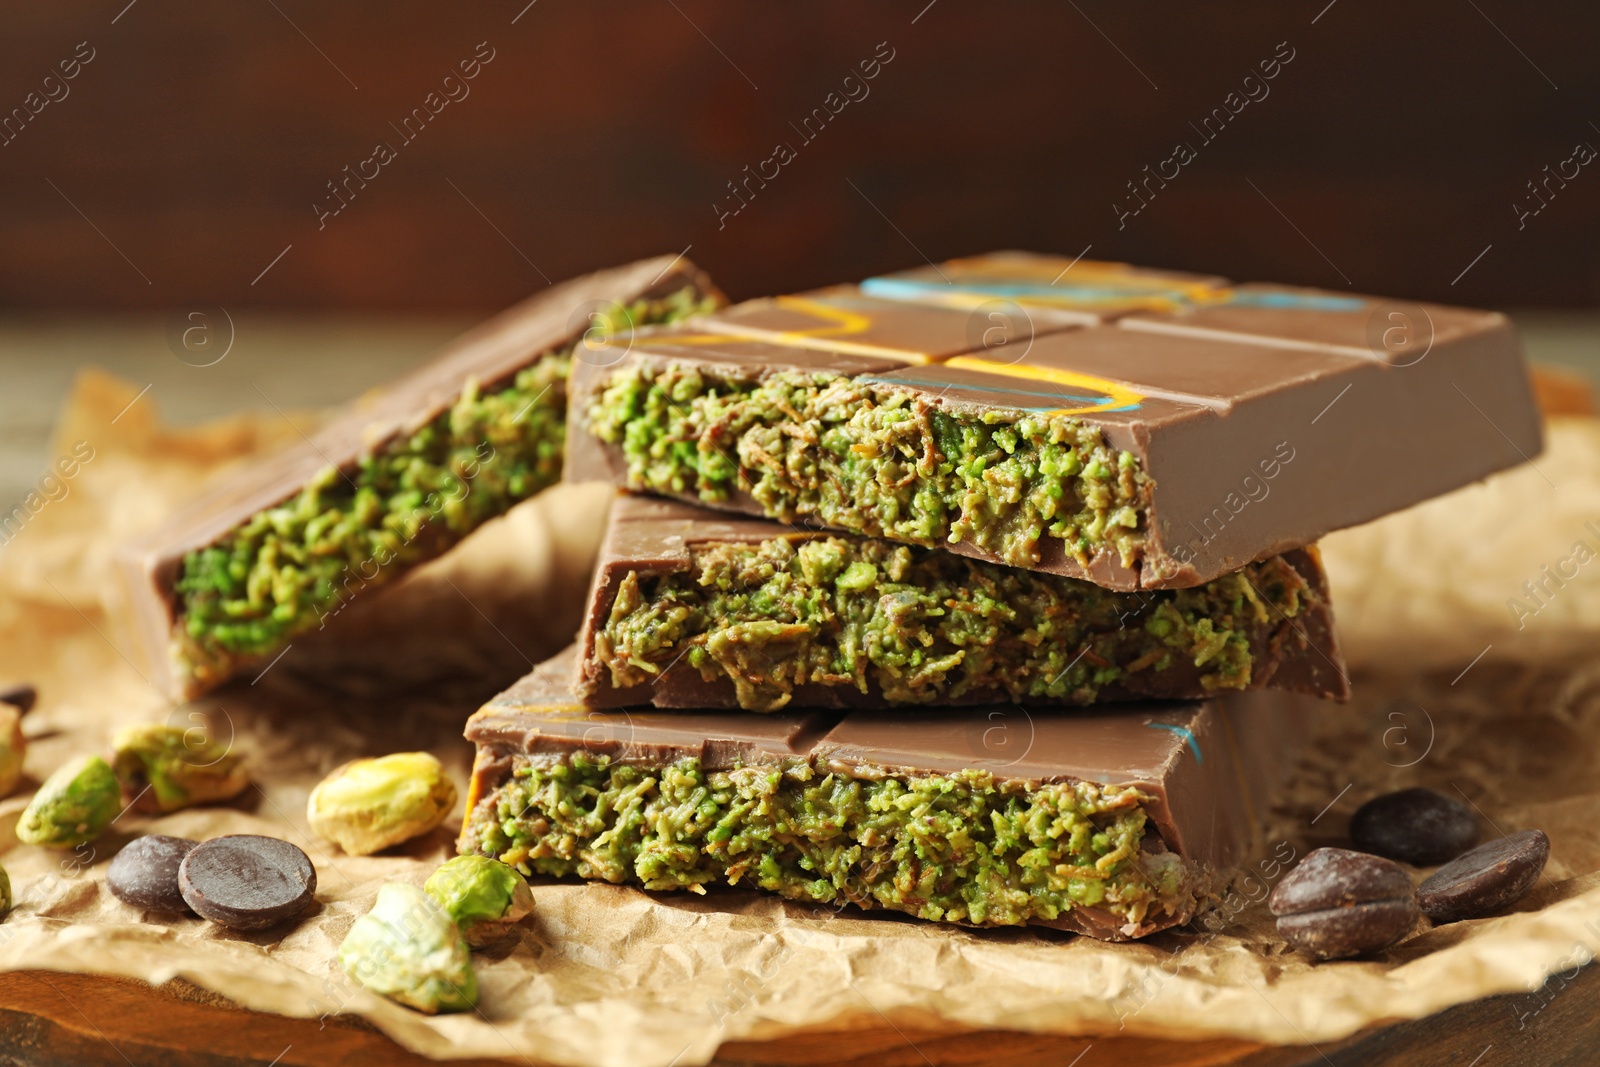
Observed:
{"x":407,"y":949}
{"x":13,"y":748}
{"x":369,"y":804}
{"x":163,"y":768}
{"x":5,"y":893}
{"x":483,"y":896}
{"x":73,"y":806}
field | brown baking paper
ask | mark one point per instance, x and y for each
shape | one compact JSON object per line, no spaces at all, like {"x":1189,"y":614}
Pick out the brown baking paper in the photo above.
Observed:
{"x":1456,"y":689}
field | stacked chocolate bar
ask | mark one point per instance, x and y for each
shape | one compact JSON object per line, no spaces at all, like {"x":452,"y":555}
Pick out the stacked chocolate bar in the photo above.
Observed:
{"x":393,"y":480}
{"x":984,"y":592}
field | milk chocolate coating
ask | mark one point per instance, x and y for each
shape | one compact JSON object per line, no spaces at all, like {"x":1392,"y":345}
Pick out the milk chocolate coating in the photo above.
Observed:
{"x":1265,"y":416}
{"x":1210,"y":767}
{"x":653,"y":536}
{"x":492,"y":353}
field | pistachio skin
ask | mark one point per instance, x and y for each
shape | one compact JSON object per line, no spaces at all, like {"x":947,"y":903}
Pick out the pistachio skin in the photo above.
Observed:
{"x":73,"y":806}
{"x":485,"y":897}
{"x":368,"y":805}
{"x":166,"y":768}
{"x":407,"y":949}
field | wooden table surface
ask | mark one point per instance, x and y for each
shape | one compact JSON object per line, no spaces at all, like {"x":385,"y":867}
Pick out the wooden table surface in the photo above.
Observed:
{"x":51,"y":1019}
{"x":56,"y":1020}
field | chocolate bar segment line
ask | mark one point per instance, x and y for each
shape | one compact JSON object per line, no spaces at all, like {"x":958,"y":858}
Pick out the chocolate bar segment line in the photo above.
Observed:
{"x":1115,"y":825}
{"x":847,"y":319}
{"x":1192,"y":428}
{"x":394,"y":478}
{"x":699,"y":609}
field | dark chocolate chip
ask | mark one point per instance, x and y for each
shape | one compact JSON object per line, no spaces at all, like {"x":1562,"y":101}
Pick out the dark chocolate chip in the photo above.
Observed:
{"x":1417,"y":826}
{"x":21,"y":697}
{"x":144,"y":874}
{"x":1339,"y":903}
{"x":1338,"y":878}
{"x":246,"y":881}
{"x":1490,"y":877}
{"x":1338,"y":933}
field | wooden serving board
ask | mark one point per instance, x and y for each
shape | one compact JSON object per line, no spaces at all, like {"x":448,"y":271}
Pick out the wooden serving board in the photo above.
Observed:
{"x":57,"y":1020}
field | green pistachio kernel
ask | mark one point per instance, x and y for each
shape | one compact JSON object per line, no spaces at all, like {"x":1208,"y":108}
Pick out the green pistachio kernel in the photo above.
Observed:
{"x":407,"y":949}
{"x":73,"y":806}
{"x":164,"y":768}
{"x":484,"y":896}
{"x":369,"y":804}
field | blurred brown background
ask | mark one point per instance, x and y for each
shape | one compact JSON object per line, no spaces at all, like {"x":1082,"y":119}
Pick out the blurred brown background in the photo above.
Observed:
{"x":188,"y":166}
{"x":187,"y":154}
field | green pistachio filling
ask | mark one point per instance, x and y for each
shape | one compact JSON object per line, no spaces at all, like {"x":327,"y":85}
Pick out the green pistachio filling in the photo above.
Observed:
{"x":285,"y":568}
{"x":925,"y":625}
{"x":962,"y":847}
{"x":877,"y":460}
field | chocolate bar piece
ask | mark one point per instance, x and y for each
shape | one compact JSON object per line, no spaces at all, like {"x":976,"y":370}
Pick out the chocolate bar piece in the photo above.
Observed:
{"x":693,"y":608}
{"x":1114,"y":824}
{"x":394,"y":479}
{"x":1137,"y":429}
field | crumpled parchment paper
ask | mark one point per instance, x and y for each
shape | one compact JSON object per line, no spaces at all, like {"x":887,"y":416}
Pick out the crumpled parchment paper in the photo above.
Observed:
{"x":1456,"y":689}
